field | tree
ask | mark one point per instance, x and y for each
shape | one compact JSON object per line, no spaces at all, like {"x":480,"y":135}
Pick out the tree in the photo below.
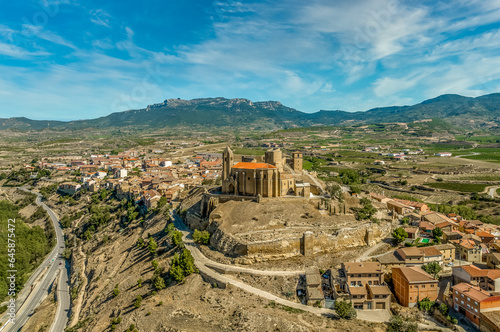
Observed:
{"x":159,"y":282}
{"x":437,"y":233}
{"x":139,"y":282}
{"x":177,"y":238}
{"x":155,"y":265}
{"x":345,"y":310}
{"x":176,"y":273}
{"x":161,"y":202}
{"x":138,"y":301}
{"x":170,"y":229}
{"x":399,"y":235}
{"x":201,"y":237}
{"x":116,"y":291}
{"x":432,"y":268}
{"x":334,"y":190}
{"x":152,"y":246}
{"x":443,"y":308}
{"x":425,"y":304}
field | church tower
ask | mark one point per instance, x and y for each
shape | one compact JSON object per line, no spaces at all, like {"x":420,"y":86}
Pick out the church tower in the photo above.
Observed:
{"x":227,"y":163}
{"x":297,"y":161}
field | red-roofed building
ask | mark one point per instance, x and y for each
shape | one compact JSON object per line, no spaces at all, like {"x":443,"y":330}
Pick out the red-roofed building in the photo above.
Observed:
{"x":471,"y":301}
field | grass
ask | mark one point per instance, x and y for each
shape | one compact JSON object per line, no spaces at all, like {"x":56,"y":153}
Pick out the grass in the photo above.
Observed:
{"x":486,"y":154}
{"x":247,"y":151}
{"x":463,"y":187}
{"x":480,"y":177}
{"x":498,"y":191}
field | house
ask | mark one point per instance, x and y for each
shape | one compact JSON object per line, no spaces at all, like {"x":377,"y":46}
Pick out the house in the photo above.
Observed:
{"x":486,"y":279}
{"x":451,"y":235}
{"x":469,"y":250}
{"x":150,"y":198}
{"x":443,"y":154}
{"x":471,"y":301}
{"x":470,"y":225}
{"x":69,"y":188}
{"x":421,"y":207}
{"x":493,"y":260}
{"x":412,"y":284}
{"x":399,"y":208}
{"x":363,"y":282}
{"x":447,"y":251}
{"x":313,"y":285}
{"x":485,"y":237}
{"x":426,"y":227}
{"x":419,"y":256}
{"x":412,"y":232}
{"x":379,"y":198}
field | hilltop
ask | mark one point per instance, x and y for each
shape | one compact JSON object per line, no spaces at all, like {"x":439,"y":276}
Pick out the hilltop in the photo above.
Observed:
{"x":220,"y":112}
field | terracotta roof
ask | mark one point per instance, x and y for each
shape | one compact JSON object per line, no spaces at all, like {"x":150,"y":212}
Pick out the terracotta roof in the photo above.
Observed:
{"x":246,"y":165}
{"x":379,"y":290}
{"x":484,"y":234}
{"x":430,"y":251}
{"x":394,"y":203}
{"x":363,"y":267}
{"x":411,"y":229}
{"x":358,"y":290}
{"x":473,"y":292}
{"x":467,"y":243}
{"x":426,"y":225}
{"x":414,"y":274}
{"x":444,"y":246}
{"x":473,"y":270}
{"x":443,"y":224}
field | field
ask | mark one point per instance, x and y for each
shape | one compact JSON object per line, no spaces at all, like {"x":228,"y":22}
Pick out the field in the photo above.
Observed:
{"x":486,"y":154}
{"x":463,"y":187}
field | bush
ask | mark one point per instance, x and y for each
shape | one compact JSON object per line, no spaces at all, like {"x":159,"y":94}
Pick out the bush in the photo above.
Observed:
{"x":116,"y":291}
{"x":443,"y":308}
{"x":138,"y":301}
{"x":426,"y":304}
{"x":201,"y":237}
{"x":152,"y":246}
{"x":399,"y":235}
{"x":397,"y":324}
{"x":182,"y":266}
{"x":177,"y":239}
{"x":345,"y":310}
{"x":452,"y":319}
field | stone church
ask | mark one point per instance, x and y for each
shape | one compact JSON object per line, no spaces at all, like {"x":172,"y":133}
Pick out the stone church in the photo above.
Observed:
{"x":267,"y":179}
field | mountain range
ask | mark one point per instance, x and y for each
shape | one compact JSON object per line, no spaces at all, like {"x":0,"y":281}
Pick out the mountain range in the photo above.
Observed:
{"x":464,"y":112}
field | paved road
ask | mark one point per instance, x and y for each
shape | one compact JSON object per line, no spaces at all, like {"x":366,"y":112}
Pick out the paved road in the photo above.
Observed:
{"x":55,"y":265}
{"x":202,"y":262}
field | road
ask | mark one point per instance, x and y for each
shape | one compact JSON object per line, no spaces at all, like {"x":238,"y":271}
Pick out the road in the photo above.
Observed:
{"x":203,"y":263}
{"x":54,"y":265}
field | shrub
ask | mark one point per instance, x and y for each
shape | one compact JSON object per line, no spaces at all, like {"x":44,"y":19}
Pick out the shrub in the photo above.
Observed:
{"x":152,"y":246}
{"x":397,"y":324}
{"x":443,"y":308}
{"x":399,"y":235}
{"x":138,"y":301}
{"x":116,"y":291}
{"x":345,"y":310}
{"x":139,"y":282}
{"x":202,"y":237}
{"x":426,"y":304}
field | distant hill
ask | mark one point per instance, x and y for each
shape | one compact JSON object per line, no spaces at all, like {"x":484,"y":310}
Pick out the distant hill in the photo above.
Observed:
{"x":457,"y":110}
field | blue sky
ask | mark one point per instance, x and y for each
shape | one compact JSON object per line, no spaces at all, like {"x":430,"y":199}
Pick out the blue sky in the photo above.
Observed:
{"x":69,"y":59}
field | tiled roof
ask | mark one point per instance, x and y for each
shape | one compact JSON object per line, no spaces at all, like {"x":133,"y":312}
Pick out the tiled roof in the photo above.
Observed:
{"x":245,"y":165}
{"x":363,"y":267}
{"x":473,"y":292}
{"x":358,"y":290}
{"x":414,"y":274}
{"x":379,"y":289}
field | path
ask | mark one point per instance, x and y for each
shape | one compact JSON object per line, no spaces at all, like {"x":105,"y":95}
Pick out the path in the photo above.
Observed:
{"x":492,"y":191}
{"x":202,"y":263}
{"x":55,"y":265}
{"x":365,"y":255}
{"x":467,"y":155}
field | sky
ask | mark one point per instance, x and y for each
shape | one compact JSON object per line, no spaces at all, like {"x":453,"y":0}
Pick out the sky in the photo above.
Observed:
{"x":69,"y":59}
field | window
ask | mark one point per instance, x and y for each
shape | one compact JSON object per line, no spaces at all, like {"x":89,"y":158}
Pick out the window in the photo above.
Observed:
{"x":456,"y":299}
{"x":468,"y":305}
{"x":462,"y":302}
{"x":432,"y":286}
{"x":468,"y":299}
{"x":475,"y":309}
{"x":353,"y":283}
{"x":423,"y":286}
{"x":359,"y":275}
{"x":475,"y":302}
{"x":411,"y":287}
{"x":369,"y":274}
{"x":462,"y":295}
{"x":359,"y":283}
{"x":369,"y":282}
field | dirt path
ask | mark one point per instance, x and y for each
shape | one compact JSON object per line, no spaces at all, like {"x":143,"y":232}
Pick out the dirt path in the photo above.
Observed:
{"x":365,"y":255}
{"x":202,"y":263}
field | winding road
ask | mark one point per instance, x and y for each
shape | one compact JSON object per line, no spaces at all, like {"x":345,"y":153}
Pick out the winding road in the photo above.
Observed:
{"x":53,"y":265}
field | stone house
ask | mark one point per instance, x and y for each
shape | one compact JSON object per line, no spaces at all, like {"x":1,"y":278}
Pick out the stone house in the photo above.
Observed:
{"x":399,"y":208}
{"x":493,"y":260}
{"x":486,"y":279}
{"x":469,"y":250}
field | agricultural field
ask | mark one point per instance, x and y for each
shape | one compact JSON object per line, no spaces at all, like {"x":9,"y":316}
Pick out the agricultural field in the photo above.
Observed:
{"x":463,"y":187}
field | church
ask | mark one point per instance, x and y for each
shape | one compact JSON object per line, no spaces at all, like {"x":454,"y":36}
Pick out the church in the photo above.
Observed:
{"x":267,"y":179}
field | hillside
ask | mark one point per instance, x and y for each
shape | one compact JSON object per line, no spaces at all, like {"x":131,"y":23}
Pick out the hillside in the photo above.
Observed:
{"x":220,"y":112}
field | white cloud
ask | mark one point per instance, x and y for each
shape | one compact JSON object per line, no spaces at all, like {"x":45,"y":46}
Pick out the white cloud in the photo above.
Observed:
{"x":100,"y":17}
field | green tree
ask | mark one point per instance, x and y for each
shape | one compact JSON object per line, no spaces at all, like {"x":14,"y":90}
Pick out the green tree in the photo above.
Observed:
{"x":432,"y":268}
{"x":138,"y":301}
{"x":155,"y":265}
{"x":176,"y":273}
{"x":177,"y":238}
{"x":159,"y":282}
{"x":169,"y":230}
{"x":139,"y":282}
{"x":152,"y":246}
{"x":161,"y":202}
{"x":399,"y":235}
{"x":202,"y":237}
{"x":116,"y":291}
{"x":334,"y":190}
{"x":425,"y":304}
{"x":345,"y":310}
{"x":437,"y":233}
{"x":443,"y":308}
